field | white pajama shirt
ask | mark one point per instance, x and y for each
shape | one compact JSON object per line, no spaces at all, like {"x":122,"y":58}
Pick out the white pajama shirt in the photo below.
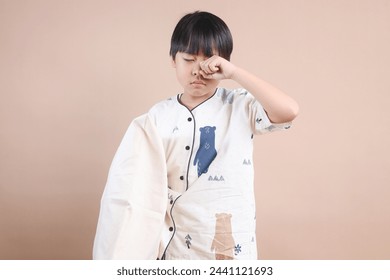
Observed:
{"x":181,"y":183}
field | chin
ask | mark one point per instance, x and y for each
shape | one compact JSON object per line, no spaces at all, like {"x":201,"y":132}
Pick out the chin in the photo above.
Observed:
{"x":201,"y":92}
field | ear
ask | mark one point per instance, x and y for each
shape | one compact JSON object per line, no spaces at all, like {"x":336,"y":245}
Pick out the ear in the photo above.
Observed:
{"x":173,"y":62}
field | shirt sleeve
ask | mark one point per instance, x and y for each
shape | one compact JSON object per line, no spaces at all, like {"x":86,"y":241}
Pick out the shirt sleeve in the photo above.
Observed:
{"x":258,"y":117}
{"x":133,"y":204}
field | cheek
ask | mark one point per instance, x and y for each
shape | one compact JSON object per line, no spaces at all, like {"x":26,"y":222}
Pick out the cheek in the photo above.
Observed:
{"x":213,"y":83}
{"x":181,"y":76}
{"x":182,"y":71}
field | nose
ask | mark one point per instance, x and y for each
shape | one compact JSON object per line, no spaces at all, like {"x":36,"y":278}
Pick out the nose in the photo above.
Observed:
{"x":195,"y":69}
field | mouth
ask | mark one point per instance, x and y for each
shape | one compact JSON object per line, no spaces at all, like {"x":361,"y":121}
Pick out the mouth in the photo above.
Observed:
{"x":198,"y":82}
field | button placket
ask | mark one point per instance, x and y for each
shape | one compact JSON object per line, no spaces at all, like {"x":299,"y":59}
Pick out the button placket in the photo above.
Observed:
{"x":189,"y":119}
{"x":190,"y":126}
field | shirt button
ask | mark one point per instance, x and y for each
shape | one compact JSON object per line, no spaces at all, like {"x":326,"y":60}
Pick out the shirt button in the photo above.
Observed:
{"x":189,"y":119}
{"x":171,"y":229}
{"x":182,"y":178}
{"x":187,"y":148}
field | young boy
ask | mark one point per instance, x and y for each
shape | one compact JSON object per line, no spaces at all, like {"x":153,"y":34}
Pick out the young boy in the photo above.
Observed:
{"x":196,"y":150}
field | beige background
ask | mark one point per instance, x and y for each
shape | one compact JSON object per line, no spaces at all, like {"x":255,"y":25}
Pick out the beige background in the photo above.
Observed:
{"x":73,"y":74}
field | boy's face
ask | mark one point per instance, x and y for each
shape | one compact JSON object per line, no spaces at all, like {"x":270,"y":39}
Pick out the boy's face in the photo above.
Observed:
{"x":187,"y":71}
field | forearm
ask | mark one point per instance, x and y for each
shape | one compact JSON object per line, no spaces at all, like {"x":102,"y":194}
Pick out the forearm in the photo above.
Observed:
{"x":280,"y":107}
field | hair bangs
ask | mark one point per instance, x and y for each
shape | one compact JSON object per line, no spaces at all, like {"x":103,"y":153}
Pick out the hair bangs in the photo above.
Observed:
{"x":201,"y":42}
{"x":202,"y":33}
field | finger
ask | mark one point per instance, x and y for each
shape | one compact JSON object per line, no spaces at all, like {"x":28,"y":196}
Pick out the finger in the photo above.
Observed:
{"x":215,"y":62}
{"x":213,"y":67}
{"x":205,"y":67}
{"x":210,"y":68}
{"x":207,"y":76}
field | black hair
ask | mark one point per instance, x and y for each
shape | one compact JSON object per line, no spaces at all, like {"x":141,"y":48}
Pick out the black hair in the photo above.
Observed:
{"x":201,"y":32}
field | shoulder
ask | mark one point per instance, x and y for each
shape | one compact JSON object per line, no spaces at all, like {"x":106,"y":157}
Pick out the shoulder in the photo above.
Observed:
{"x":164,"y":106}
{"x":235,"y":96}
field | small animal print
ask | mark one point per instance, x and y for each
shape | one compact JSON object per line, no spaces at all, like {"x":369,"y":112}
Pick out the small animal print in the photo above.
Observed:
{"x":271,"y":128}
{"x":258,"y":120}
{"x":216,"y":178}
{"x":170,"y":198}
{"x":188,"y":241}
{"x":237,"y":249}
{"x":247,"y":162}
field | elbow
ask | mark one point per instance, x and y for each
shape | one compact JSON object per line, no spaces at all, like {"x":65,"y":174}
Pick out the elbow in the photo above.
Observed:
{"x":287,"y":114}
{"x":293,"y":112}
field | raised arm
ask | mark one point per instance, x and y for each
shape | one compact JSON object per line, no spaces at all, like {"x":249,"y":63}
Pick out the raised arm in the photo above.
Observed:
{"x":279,"y":106}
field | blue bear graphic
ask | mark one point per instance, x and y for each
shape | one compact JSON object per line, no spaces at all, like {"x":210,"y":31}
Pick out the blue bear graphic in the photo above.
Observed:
{"x":206,"y":152}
